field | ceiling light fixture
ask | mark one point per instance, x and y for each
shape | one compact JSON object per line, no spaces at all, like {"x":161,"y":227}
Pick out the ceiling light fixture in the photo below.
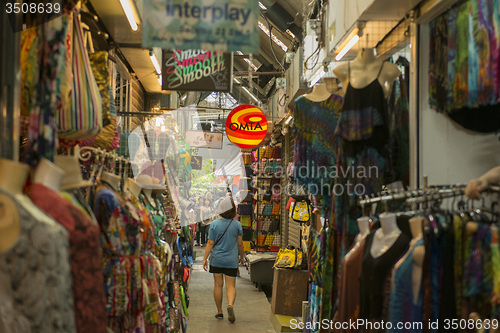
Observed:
{"x":349,"y":43}
{"x":273,"y":37}
{"x":250,"y":94}
{"x":160,"y":80}
{"x":155,"y":62}
{"x":132,"y":17}
{"x":261,"y":5}
{"x":317,"y":76}
{"x":288,"y":120}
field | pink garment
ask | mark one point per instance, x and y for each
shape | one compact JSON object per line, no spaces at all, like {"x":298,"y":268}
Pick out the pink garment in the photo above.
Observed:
{"x":85,"y":258}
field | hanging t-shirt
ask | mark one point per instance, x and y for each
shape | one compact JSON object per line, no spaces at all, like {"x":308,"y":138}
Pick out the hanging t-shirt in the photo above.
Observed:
{"x":85,"y":258}
{"x":39,"y":271}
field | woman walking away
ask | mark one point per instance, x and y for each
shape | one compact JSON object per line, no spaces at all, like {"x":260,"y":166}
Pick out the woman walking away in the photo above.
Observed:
{"x":224,"y":245}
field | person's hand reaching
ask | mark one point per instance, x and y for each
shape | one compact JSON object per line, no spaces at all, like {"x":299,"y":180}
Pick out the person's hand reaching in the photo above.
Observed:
{"x":475,"y":187}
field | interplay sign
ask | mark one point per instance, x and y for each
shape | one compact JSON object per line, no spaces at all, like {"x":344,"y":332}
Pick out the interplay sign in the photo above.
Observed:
{"x":220,"y":25}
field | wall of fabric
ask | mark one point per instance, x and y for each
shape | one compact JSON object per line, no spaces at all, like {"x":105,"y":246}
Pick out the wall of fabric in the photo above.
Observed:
{"x":448,"y":153}
{"x":463,"y":64}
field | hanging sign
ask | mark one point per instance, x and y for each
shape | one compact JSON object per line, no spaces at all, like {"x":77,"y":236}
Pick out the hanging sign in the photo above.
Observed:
{"x":196,"y":162}
{"x":218,"y":25}
{"x":195,"y":70}
{"x":203,"y":139}
{"x":246,"y":126}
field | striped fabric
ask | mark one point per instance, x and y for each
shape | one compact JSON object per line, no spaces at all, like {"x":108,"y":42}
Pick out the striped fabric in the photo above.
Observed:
{"x":84,"y":117}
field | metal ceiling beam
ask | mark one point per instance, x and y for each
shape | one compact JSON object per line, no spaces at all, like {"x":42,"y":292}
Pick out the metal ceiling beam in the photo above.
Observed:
{"x":257,"y":73}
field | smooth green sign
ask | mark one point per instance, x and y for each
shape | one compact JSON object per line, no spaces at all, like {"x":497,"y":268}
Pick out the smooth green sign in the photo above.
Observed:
{"x":216,"y":25}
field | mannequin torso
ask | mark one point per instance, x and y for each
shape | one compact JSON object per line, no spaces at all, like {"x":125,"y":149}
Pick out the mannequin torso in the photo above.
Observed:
{"x":133,"y":187}
{"x":12,"y":178}
{"x":364,"y":230}
{"x":366,"y":68}
{"x":49,"y":175}
{"x":418,"y":255}
{"x":386,"y":236}
{"x":319,"y":93}
{"x":112,"y":179}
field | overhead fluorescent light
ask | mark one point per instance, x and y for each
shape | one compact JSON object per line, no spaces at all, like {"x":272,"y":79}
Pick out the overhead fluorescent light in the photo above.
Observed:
{"x":290,"y":33}
{"x":354,"y":39}
{"x":155,"y":62}
{"x":251,"y":64}
{"x":160,"y":80}
{"x":317,"y":76}
{"x":129,"y":9}
{"x":261,"y":5}
{"x":250,"y":94}
{"x":288,"y":120}
{"x":273,"y":37}
{"x":184,"y":97}
{"x":237,"y":81}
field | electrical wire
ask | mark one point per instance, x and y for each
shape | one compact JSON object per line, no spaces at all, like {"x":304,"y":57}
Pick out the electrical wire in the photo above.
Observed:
{"x":271,"y":44}
{"x":317,"y":51}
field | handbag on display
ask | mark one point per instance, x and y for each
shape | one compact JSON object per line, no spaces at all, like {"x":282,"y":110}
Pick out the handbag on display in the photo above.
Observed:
{"x":274,"y":225}
{"x":245,"y":209}
{"x":83,"y":118}
{"x":300,"y":211}
{"x":268,"y":152}
{"x":268,"y":209}
{"x":247,"y":234}
{"x":289,"y":258}
{"x":247,"y":159}
{"x":245,"y":221}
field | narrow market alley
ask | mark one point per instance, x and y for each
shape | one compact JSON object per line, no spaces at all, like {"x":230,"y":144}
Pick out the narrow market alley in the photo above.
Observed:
{"x":252,"y":308}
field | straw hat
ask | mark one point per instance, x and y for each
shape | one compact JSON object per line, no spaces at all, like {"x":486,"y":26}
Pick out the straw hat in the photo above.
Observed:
{"x":72,"y":172}
{"x":148,"y":182}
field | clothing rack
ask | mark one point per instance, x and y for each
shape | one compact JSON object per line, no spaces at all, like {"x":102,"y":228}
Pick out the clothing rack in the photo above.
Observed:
{"x":85,"y":154}
{"x":431,"y":193}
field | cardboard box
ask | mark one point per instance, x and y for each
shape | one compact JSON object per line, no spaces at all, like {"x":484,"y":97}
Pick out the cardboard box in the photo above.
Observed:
{"x":290,"y":288}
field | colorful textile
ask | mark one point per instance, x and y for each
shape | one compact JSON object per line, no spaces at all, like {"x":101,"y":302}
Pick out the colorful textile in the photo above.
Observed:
{"x":158,"y":216}
{"x":51,"y":47}
{"x":38,"y":268}
{"x":315,"y":150}
{"x":128,"y":241}
{"x":85,"y":258}
{"x":403,"y":307}
{"x":469,"y":75}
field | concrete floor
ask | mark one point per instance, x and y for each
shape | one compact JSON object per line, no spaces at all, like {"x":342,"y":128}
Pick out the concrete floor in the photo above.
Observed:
{"x":252,"y":309}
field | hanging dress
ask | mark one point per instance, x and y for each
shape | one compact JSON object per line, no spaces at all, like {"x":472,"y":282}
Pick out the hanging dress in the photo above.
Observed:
{"x":375,"y":273}
{"x":402,"y":306}
{"x":315,"y":145}
{"x":363,"y":153}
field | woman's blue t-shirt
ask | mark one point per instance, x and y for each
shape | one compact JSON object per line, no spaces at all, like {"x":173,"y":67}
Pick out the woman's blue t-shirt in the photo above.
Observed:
{"x":225,"y":252}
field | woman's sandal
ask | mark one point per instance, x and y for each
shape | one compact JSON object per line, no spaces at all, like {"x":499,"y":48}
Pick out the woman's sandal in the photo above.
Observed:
{"x":219,"y":316}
